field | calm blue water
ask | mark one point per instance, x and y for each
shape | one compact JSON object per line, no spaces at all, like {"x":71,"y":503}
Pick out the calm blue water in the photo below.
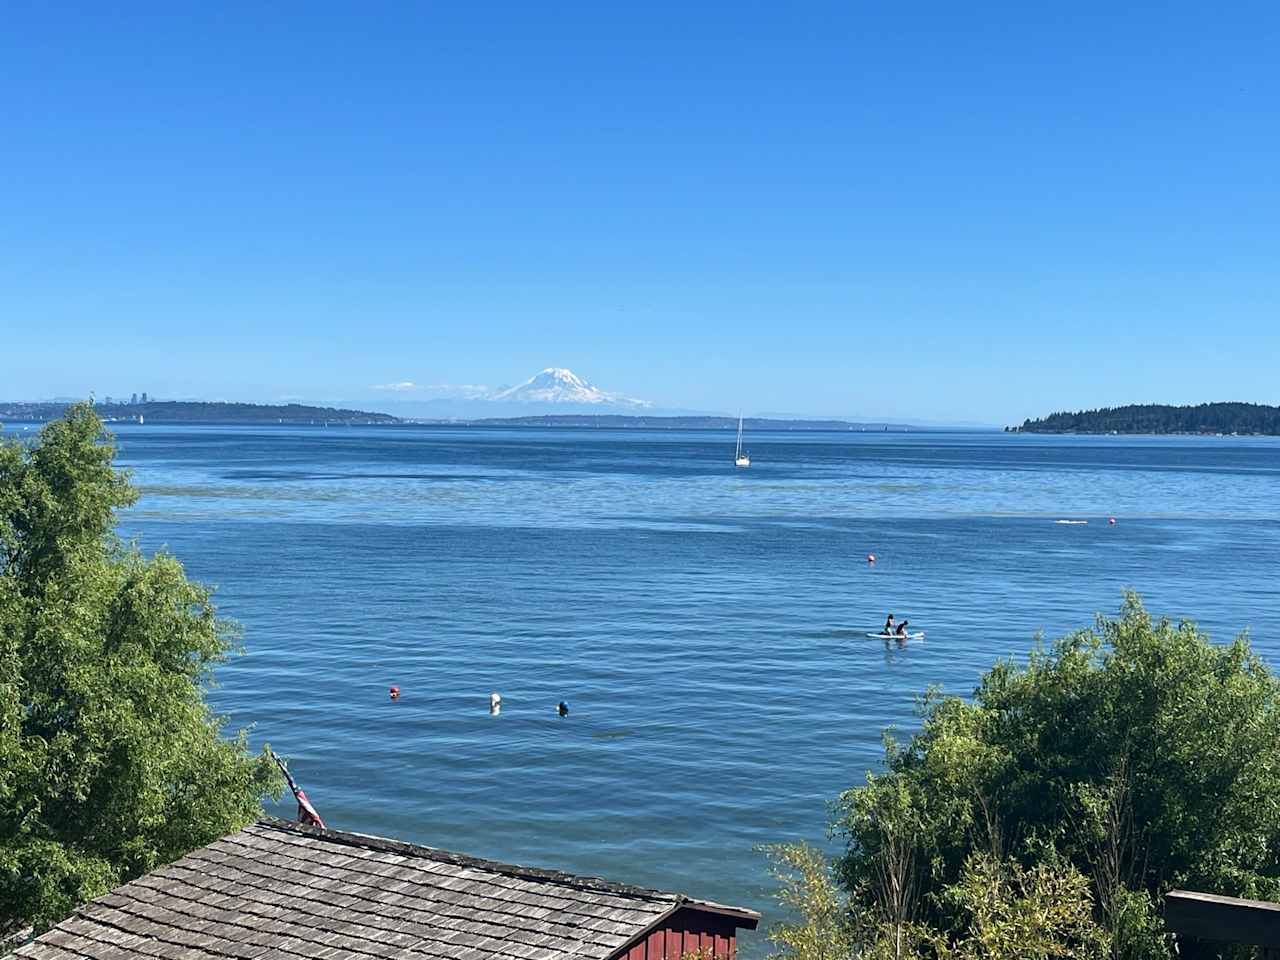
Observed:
{"x":705,"y":624}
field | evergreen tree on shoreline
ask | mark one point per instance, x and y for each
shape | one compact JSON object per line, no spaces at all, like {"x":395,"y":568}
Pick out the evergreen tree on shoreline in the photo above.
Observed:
{"x":1211,"y":418}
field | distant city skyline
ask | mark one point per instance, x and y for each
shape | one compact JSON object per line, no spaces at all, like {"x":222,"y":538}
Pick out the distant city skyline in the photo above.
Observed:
{"x":950,"y":214}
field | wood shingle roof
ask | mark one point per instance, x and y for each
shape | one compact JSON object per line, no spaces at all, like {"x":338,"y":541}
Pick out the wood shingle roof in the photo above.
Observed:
{"x":278,"y":889}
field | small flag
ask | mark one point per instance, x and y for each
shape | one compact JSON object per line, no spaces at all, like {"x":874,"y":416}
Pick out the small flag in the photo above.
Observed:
{"x":306,"y":812}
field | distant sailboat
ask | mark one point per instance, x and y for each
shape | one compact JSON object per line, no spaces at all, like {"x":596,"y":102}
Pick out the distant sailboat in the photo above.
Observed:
{"x":740,"y":459}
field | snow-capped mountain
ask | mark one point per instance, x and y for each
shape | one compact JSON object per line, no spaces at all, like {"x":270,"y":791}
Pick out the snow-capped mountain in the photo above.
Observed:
{"x":559,"y":386}
{"x":554,"y":390}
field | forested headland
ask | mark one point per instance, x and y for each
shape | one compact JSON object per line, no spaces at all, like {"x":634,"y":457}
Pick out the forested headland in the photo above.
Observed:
{"x":196,"y":411}
{"x":1211,"y":418}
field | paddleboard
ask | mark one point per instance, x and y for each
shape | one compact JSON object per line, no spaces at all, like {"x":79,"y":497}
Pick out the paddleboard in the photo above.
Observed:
{"x":896,"y":636}
{"x":1072,"y":523}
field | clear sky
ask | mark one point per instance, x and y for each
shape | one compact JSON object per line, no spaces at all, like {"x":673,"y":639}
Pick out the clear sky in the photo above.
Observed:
{"x":946,"y":211}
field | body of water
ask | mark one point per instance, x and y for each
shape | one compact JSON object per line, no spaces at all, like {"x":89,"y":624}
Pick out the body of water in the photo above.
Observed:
{"x":705,"y":624}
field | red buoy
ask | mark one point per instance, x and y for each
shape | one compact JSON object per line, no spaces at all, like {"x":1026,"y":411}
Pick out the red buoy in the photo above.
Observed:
{"x":395,"y":693}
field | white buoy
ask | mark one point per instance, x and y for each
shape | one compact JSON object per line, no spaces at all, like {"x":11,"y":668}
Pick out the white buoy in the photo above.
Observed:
{"x":495,"y":703}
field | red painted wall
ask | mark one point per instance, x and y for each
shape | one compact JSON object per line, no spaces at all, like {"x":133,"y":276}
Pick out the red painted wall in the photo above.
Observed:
{"x":687,"y":931}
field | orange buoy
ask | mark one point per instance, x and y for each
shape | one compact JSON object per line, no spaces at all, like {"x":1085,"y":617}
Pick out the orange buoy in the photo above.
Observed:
{"x":395,"y":693}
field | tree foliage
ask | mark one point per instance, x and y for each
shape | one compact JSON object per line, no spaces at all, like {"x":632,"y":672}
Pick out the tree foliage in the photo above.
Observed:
{"x":111,"y":761}
{"x":1161,"y":418}
{"x":1047,"y":815}
{"x":1001,"y":910}
{"x":820,"y":925}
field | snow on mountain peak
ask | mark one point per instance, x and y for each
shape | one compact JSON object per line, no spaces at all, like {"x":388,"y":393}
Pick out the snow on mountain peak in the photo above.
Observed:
{"x":561,"y":385}
{"x":561,"y":377}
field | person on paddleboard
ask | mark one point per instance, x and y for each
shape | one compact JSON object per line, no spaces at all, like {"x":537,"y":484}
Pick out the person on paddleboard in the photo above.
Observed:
{"x":888,"y":626}
{"x":902,"y":628}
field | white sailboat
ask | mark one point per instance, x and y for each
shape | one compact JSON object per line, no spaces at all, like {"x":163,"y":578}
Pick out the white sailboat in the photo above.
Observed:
{"x":741,"y":459}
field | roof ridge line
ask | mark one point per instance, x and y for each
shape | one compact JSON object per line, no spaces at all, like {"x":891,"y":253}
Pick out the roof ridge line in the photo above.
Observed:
{"x":388,"y":845}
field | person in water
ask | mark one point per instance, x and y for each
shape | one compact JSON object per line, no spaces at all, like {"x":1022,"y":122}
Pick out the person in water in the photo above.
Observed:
{"x":888,"y":626}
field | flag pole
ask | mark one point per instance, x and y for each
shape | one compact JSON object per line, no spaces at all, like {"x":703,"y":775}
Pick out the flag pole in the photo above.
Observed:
{"x":306,"y":812}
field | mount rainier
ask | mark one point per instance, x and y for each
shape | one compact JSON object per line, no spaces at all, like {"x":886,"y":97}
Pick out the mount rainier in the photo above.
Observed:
{"x":553,"y":390}
{"x":559,"y":386}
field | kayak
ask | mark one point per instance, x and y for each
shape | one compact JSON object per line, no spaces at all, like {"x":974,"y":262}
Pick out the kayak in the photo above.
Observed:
{"x":896,"y":636}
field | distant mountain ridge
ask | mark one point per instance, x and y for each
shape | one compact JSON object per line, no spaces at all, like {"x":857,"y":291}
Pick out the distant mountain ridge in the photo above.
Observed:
{"x":655,"y":422}
{"x":1211,"y":418}
{"x":297,"y":414}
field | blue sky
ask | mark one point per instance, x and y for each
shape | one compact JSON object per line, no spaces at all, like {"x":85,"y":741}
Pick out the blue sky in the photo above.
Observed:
{"x":940,"y":211}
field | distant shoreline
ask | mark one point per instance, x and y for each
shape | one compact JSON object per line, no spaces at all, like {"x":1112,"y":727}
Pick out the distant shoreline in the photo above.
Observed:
{"x":638,"y":422}
{"x":244,"y":414}
{"x":1137,"y":433}
{"x":180,"y":411}
{"x":1205,"y":419}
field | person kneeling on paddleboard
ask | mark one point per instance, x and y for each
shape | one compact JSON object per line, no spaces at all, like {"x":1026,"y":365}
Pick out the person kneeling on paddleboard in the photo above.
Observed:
{"x":902,"y":628}
{"x":888,"y":626}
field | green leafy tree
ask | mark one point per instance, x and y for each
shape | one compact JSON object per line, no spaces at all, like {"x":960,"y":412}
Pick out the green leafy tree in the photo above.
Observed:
{"x":1047,"y":815}
{"x":1009,"y":911}
{"x":819,"y":924}
{"x":1001,"y":910}
{"x":111,"y":761}
{"x":1138,"y":752}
